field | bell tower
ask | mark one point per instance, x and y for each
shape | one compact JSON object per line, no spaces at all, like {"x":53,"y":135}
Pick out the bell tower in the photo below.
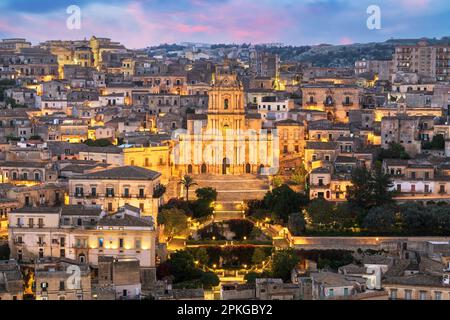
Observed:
{"x":226,"y":102}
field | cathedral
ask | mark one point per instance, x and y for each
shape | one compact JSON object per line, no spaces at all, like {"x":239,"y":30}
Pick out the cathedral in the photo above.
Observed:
{"x":226,"y":140}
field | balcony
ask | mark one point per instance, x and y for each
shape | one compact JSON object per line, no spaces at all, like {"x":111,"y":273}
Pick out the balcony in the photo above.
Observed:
{"x":347,"y":104}
{"x":329,"y":104}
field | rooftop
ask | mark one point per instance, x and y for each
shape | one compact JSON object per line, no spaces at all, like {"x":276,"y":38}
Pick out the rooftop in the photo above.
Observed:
{"x":125,"y":173}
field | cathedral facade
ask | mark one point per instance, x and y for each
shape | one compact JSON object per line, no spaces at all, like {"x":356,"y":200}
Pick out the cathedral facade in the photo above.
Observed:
{"x":226,"y":140}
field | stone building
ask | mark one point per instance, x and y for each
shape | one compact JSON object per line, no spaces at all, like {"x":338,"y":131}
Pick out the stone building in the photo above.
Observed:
{"x":116,"y":187}
{"x":11,"y":282}
{"x":336,"y":100}
{"x":83,"y":234}
{"x":62,"y":279}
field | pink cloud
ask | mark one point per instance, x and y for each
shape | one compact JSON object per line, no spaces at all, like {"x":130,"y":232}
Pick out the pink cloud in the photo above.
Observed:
{"x":346,"y":41}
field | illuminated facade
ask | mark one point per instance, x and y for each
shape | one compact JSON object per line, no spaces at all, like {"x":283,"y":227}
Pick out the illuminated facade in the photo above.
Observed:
{"x":226,"y":140}
{"x":117,"y":187}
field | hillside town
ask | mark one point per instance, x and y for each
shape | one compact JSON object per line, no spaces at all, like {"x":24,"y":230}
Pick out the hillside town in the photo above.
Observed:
{"x":222,"y":172}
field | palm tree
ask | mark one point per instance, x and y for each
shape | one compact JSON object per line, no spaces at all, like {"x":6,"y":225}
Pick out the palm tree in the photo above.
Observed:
{"x":187,"y":182}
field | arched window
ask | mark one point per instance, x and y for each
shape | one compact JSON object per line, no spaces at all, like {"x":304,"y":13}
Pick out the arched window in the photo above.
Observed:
{"x":226,"y":104}
{"x":248,"y":168}
{"x":203,"y":169}
{"x":82,"y":258}
{"x":347,"y":100}
{"x":189,"y":169}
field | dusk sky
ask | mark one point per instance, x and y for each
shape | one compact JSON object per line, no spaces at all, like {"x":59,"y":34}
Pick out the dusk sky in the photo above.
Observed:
{"x":142,"y":23}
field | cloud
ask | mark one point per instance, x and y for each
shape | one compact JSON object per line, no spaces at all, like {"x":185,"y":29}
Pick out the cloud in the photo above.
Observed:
{"x":147,"y":22}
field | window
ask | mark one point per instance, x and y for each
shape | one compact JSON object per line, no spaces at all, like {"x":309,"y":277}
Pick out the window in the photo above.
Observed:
{"x":110,"y":192}
{"x":141,"y":193}
{"x":138,"y":243}
{"x":331,"y":293}
{"x":226,"y":104}
{"x":126,"y":192}
{"x":30,"y":222}
{"x":100,"y":242}
{"x":94,"y":191}
{"x":438,"y":295}
{"x":413,"y":188}
{"x":110,"y":207}
{"x":61,"y":286}
{"x":422,"y":295}
{"x":345,"y":291}
{"x":393,"y":295}
{"x":78,"y":191}
{"x":41,"y":222}
{"x":408,"y":294}
{"x":120,"y":242}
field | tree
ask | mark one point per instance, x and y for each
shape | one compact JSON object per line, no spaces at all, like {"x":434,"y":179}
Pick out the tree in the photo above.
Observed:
{"x":251,"y":277}
{"x":416,"y":219}
{"x":296,"y":224}
{"x":283,"y":201}
{"x":381,"y":184}
{"x":277,"y":182}
{"x":347,"y":215}
{"x":174,"y":221}
{"x":320,"y":214}
{"x":200,"y":255}
{"x":380,"y":220}
{"x":182,"y":266}
{"x":187,"y":183}
{"x":360,"y":192}
{"x":4,"y":252}
{"x":209,"y":280}
{"x":207,"y":194}
{"x":394,"y":151}
{"x":159,"y":191}
{"x":98,"y":143}
{"x":370,"y":188}
{"x":259,"y":256}
{"x":437,"y":143}
{"x":299,"y":175}
{"x":283,"y":262}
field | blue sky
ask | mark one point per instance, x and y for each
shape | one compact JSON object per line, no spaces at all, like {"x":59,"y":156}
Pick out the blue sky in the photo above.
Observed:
{"x":148,"y":22}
